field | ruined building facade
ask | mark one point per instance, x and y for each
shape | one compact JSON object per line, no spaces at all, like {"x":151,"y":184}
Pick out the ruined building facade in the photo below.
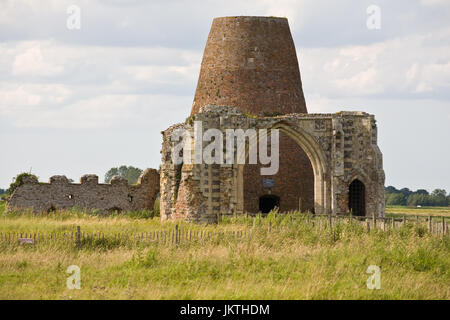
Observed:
{"x":250,"y":79}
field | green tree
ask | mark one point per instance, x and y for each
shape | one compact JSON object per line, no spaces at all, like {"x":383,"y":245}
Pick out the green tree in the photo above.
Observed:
{"x":419,"y":199}
{"x":439,"y":198}
{"x":406,"y":192}
{"x":19,"y":180}
{"x":391,"y":189}
{"x":439,"y":193}
{"x":130,"y":173}
{"x":396,"y":199}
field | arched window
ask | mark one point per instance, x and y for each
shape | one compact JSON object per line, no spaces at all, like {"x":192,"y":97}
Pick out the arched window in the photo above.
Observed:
{"x":357,"y":198}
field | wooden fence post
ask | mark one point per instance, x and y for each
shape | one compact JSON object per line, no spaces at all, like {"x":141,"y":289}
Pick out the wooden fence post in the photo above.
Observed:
{"x":429,"y":224}
{"x":78,"y":236}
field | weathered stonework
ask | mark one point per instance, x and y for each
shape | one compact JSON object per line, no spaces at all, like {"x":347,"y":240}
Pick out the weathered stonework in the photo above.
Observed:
{"x":88,"y":194}
{"x":341,"y":147}
{"x":250,"y":78}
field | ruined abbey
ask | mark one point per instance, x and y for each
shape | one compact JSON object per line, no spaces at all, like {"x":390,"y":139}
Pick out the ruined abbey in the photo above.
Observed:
{"x":249,"y":80}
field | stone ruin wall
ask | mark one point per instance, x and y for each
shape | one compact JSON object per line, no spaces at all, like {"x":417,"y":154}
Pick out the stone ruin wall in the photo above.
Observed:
{"x":59,"y":193}
{"x":342,"y":147}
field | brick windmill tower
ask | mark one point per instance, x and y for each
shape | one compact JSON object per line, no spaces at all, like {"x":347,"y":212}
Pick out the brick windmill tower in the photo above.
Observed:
{"x":250,"y":63}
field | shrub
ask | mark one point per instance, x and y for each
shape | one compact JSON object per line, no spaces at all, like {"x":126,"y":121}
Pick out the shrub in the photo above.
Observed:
{"x":19,"y":180}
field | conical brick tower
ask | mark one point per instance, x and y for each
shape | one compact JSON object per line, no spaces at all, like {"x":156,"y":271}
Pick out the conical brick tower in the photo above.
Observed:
{"x":250,"y":63}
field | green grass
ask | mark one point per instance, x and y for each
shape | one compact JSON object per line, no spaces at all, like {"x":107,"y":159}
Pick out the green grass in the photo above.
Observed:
{"x":400,"y":211}
{"x":295,"y":260}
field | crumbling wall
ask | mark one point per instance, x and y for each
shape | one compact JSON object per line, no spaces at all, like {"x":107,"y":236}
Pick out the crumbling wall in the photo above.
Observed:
{"x":341,"y":147}
{"x":59,"y":193}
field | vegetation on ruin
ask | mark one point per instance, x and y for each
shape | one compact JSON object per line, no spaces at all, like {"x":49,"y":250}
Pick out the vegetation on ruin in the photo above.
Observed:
{"x":19,"y":180}
{"x":284,"y":258}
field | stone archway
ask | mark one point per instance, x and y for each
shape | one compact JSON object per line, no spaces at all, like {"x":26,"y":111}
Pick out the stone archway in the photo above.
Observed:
{"x":340,"y":148}
{"x":293,"y":182}
{"x":322,"y":195}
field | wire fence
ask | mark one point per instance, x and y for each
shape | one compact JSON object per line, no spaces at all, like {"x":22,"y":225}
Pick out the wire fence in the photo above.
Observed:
{"x":176,"y":235}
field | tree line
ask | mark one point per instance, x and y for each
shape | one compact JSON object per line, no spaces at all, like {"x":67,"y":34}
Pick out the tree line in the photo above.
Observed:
{"x":420,"y":197}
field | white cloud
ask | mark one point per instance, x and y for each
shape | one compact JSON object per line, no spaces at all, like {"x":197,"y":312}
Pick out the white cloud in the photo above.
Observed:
{"x":46,"y":84}
{"x":433,"y":2}
{"x":33,"y":63}
{"x":406,"y":66}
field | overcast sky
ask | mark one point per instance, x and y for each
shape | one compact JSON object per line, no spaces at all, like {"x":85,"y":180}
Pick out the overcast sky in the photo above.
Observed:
{"x":84,"y":100}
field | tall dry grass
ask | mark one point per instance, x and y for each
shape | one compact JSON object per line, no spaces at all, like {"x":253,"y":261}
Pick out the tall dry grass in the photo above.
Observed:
{"x":286,"y":257}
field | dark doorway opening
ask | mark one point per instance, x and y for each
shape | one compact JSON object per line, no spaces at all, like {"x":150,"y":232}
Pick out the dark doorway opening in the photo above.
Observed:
{"x":268,"y":202}
{"x":357,"y":198}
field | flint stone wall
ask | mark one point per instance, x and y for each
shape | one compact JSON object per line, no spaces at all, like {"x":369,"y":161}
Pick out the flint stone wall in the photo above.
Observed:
{"x":59,"y":193}
{"x":342,"y":147}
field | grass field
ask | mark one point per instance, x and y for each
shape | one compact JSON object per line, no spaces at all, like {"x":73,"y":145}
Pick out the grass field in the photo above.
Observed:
{"x":294,"y":261}
{"x":423,"y":211}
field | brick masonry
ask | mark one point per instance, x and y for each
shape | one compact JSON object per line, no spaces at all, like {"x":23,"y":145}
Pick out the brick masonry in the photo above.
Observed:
{"x":250,"y":63}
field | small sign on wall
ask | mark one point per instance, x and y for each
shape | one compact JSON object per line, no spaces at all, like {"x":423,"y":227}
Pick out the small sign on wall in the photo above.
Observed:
{"x":268,"y":183}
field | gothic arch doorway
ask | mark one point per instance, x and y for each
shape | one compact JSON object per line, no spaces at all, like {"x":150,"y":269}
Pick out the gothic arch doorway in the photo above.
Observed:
{"x":293,"y":183}
{"x":314,"y":153}
{"x":357,"y":198}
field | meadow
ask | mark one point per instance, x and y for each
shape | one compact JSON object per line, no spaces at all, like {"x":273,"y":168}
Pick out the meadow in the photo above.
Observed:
{"x":283,"y":257}
{"x":420,"y":211}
